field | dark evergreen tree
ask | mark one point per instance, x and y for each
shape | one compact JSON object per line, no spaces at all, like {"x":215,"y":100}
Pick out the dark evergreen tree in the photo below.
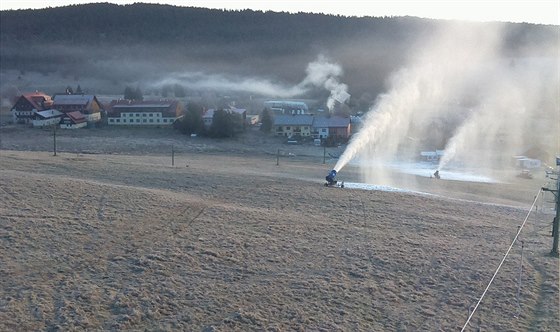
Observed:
{"x":133,"y":94}
{"x":138,"y":94}
{"x":79,"y":90}
{"x":192,"y":122}
{"x":266,"y":120}
{"x":128,"y":93}
{"x":222,"y":124}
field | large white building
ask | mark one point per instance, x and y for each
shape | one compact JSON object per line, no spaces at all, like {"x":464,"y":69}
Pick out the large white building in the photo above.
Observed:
{"x":144,"y":113}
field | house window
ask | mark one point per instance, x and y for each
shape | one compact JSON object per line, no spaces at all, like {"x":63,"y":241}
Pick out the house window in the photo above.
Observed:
{"x":164,"y":120}
{"x":158,"y":120}
{"x":151,"y":120}
{"x":111,"y":120}
{"x":287,"y":128}
{"x":131,"y":120}
{"x":143,"y":120}
{"x":137,"y":120}
{"x":118,"y":120}
{"x":151,"y":114}
{"x":324,"y":130}
{"x":305,"y":128}
{"x":144,"y":115}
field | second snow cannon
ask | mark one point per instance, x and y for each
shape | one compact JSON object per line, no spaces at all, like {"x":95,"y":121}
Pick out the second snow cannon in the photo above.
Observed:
{"x":331,"y":178}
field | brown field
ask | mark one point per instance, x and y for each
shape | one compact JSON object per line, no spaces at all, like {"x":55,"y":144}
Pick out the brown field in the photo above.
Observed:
{"x":108,"y":235}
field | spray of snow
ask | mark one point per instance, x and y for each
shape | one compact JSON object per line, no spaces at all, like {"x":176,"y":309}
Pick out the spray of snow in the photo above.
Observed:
{"x":459,"y":81}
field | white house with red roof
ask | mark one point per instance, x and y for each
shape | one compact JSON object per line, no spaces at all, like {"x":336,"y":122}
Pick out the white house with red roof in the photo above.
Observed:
{"x":28,"y":104}
{"x":144,"y":113}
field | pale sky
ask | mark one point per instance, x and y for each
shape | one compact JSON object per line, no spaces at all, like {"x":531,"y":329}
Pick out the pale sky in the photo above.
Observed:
{"x":531,"y":11}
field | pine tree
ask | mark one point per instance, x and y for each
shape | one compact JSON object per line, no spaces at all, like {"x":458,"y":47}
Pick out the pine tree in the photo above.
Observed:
{"x":128,"y":93}
{"x":222,"y":124}
{"x":266,"y":120}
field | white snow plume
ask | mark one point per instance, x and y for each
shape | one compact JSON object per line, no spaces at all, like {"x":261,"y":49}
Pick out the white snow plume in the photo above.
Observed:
{"x":203,"y":81}
{"x":323,"y":73}
{"x":459,"y":81}
{"x":320,"y":73}
{"x":510,"y":117}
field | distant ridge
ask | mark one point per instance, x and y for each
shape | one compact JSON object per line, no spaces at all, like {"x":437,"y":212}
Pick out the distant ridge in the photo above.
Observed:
{"x":90,"y":40}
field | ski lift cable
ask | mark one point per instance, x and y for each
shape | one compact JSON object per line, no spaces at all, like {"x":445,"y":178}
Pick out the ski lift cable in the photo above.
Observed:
{"x":502,"y":262}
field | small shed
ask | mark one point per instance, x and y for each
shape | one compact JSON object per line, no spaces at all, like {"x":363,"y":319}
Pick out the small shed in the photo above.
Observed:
{"x":73,"y":120}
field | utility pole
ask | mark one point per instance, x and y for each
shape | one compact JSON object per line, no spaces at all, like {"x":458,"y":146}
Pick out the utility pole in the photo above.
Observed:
{"x":556,"y":221}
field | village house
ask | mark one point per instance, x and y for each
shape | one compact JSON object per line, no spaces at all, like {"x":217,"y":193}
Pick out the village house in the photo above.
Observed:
{"x":286,"y":107}
{"x":293,"y":125}
{"x":335,"y":126}
{"x":88,"y":105}
{"x":144,"y":113}
{"x":47,"y":118}
{"x":28,"y":104}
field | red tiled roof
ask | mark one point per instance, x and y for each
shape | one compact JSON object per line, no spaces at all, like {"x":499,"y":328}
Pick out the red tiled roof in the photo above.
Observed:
{"x":160,"y":102}
{"x":76,"y":117}
{"x":165,"y":106}
{"x":331,"y":122}
{"x":37,"y":98}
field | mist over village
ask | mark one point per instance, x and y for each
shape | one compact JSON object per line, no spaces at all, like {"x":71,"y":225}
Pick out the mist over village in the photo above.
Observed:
{"x":163,"y":168}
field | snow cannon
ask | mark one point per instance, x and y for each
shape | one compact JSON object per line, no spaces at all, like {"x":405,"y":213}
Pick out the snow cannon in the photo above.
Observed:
{"x":330,"y":178}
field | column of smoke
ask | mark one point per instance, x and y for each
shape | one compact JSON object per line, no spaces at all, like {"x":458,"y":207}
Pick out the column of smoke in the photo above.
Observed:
{"x":321,"y":73}
{"x":458,"y":78}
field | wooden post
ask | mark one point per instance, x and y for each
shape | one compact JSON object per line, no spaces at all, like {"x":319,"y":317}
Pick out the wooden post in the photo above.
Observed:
{"x":278,"y":157}
{"x":172,"y":155}
{"x":54,"y":140}
{"x":324,"y":153}
{"x":556,"y":221}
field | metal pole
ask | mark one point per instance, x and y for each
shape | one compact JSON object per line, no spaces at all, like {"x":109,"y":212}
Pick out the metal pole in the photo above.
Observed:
{"x":324,"y":153}
{"x":172,"y":155}
{"x":278,"y":157}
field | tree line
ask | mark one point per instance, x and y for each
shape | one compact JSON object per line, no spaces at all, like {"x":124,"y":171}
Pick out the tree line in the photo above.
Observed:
{"x":225,"y":124}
